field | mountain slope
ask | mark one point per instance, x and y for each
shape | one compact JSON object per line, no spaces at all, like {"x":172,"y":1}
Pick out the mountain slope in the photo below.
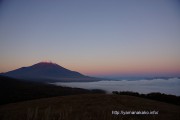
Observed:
{"x":14,"y":90}
{"x":89,"y":107}
{"x":46,"y":71}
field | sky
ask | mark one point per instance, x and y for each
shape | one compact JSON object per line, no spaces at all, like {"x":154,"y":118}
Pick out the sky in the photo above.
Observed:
{"x":94,"y":37}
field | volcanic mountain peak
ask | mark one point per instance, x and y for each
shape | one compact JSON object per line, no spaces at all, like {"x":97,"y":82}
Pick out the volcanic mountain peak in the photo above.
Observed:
{"x":46,"y":65}
{"x":44,"y":70}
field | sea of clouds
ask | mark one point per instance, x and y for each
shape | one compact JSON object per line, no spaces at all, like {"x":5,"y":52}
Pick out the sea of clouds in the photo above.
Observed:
{"x":167,"y":86}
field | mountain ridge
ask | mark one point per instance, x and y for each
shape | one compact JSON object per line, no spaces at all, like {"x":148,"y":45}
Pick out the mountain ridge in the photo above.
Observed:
{"x":46,"y":71}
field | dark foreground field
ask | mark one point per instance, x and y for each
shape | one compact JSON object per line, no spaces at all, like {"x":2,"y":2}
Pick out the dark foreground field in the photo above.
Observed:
{"x":88,"y":107}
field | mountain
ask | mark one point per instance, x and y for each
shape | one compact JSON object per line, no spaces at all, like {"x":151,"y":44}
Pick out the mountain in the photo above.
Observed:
{"x":47,"y":71}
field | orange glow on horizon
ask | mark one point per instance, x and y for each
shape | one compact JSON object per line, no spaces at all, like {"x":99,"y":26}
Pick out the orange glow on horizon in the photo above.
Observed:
{"x":129,"y":69}
{"x":101,"y":69}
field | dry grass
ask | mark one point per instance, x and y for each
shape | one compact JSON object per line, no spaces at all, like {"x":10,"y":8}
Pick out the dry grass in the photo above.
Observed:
{"x":87,"y":107}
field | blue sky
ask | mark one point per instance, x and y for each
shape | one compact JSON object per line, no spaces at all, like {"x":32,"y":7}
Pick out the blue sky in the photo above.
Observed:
{"x":94,"y":37}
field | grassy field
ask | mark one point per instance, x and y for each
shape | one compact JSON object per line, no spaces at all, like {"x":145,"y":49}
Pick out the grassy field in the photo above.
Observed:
{"x":88,"y":107}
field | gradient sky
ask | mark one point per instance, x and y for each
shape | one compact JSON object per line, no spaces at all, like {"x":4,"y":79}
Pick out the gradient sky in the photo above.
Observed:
{"x":94,"y":37}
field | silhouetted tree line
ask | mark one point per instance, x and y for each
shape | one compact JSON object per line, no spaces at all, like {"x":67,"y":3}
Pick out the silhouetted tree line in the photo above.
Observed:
{"x":13,"y":90}
{"x":154,"y":96}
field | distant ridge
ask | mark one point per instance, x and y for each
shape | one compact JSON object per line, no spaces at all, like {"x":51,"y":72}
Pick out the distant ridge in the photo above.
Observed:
{"x":47,"y":71}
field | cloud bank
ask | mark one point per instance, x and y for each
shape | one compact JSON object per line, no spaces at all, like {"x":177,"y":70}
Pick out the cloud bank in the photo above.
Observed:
{"x":167,"y":86}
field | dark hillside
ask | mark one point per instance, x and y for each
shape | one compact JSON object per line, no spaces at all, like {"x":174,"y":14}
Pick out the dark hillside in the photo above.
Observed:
{"x":154,"y":96}
{"x":13,"y":90}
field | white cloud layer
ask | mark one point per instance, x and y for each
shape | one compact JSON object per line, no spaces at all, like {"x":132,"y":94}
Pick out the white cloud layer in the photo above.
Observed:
{"x":169,"y":86}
